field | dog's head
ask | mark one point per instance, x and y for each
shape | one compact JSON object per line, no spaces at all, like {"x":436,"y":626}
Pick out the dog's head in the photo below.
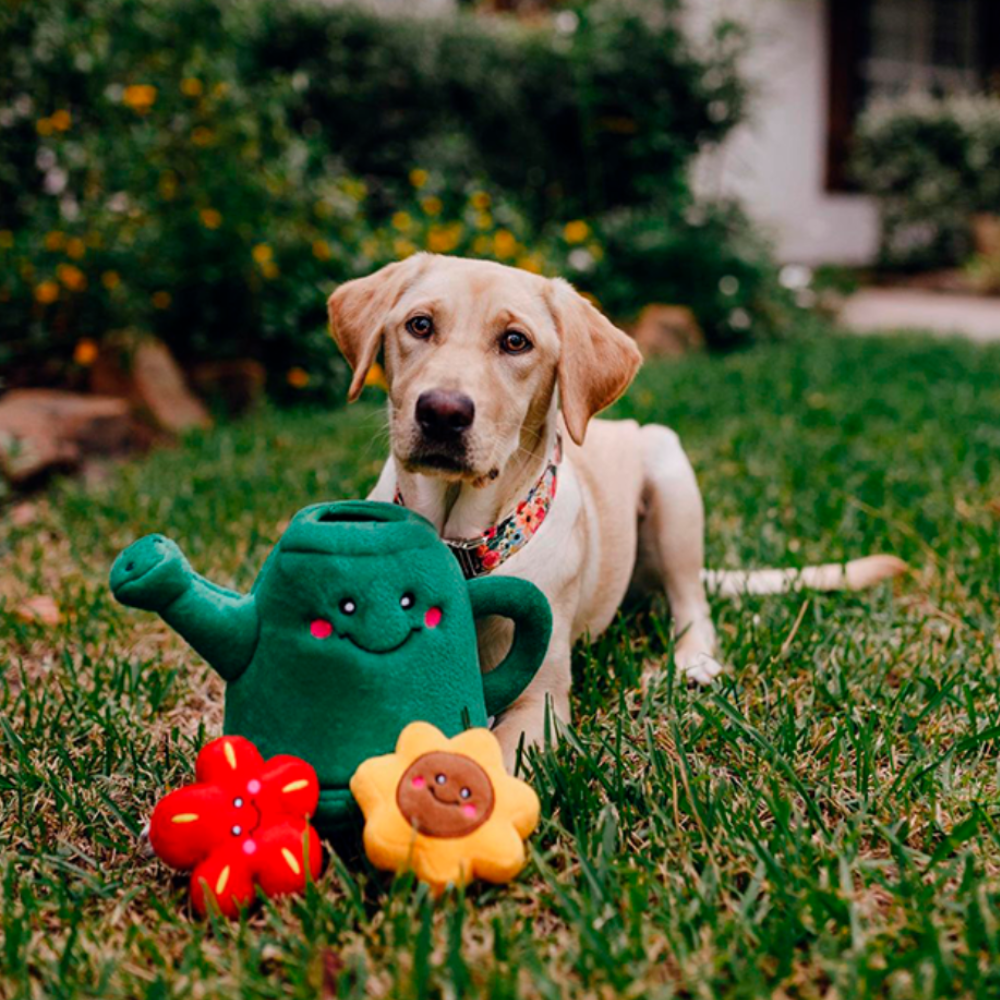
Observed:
{"x":473,"y":354}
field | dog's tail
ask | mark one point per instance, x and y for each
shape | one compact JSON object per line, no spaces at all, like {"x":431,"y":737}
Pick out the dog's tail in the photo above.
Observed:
{"x":854,"y":575}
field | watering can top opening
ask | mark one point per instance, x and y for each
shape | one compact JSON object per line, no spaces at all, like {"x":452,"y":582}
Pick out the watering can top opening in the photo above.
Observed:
{"x":358,"y":528}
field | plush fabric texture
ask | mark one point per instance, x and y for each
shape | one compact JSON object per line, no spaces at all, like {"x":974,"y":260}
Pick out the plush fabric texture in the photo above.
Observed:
{"x":359,"y":623}
{"x":445,"y":809}
{"x":245,"y":823}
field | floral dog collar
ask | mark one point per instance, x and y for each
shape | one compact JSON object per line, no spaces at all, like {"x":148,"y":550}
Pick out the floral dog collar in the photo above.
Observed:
{"x":483,"y":553}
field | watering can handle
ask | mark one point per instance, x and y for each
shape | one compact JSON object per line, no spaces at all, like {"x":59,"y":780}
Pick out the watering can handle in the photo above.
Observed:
{"x":525,"y":605}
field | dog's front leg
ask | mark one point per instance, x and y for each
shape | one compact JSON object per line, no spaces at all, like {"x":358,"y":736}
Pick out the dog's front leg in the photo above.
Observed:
{"x":545,"y":703}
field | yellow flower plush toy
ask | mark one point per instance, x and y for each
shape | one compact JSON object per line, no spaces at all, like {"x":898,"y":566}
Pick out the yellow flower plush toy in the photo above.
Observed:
{"x":445,"y":809}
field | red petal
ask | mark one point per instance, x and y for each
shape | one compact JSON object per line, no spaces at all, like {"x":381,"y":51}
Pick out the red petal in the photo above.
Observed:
{"x":224,"y":879}
{"x":290,"y":788}
{"x":188,"y":824}
{"x":230,"y":761}
{"x":286,"y":856}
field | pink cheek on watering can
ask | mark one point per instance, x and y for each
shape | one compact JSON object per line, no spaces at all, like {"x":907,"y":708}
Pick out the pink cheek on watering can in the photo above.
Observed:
{"x":433,"y":617}
{"x":321,"y":629}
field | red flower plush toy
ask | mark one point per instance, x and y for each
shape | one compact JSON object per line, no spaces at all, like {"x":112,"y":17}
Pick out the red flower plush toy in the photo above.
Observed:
{"x":245,"y":823}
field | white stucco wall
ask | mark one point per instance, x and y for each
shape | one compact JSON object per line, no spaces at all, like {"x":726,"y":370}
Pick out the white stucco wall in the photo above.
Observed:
{"x":775,"y":163}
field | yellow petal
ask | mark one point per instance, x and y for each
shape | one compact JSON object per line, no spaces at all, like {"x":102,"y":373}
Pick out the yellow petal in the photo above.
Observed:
{"x":497,"y":851}
{"x":419,"y":738}
{"x":376,"y":780}
{"x":483,"y":747}
{"x":291,"y":861}
{"x":220,"y":884}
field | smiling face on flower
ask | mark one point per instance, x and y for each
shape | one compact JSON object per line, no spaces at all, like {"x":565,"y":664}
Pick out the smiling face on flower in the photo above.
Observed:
{"x":445,"y":808}
{"x":445,"y":795}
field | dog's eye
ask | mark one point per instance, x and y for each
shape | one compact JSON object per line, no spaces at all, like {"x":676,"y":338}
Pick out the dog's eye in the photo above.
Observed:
{"x":515,"y":342}
{"x":348,"y":606}
{"x":406,"y":601}
{"x":420,"y":326}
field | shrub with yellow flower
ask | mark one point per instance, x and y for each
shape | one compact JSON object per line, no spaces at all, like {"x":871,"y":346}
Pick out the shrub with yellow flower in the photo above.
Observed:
{"x":432,"y":205}
{"x":55,"y":240}
{"x":297,"y":378}
{"x":61,"y":120}
{"x":321,"y":250}
{"x":76,"y":248}
{"x":111,"y":280}
{"x":140,"y":97}
{"x":47,"y":292}
{"x":418,"y":177}
{"x":72,"y":277}
{"x":210,"y":218}
{"x":161,"y":300}
{"x":401,"y":221}
{"x":504,"y":244}
{"x":85,"y":352}
{"x":445,"y":809}
{"x":191,"y":86}
{"x":480,"y":200}
{"x":576,"y":231}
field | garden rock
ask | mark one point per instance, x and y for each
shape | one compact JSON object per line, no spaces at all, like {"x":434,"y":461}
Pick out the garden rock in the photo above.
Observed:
{"x":143,"y":371}
{"x":46,"y":429}
{"x":667,"y":331}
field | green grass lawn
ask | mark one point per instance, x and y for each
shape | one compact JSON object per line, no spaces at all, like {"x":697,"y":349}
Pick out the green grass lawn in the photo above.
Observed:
{"x":824,"y":822}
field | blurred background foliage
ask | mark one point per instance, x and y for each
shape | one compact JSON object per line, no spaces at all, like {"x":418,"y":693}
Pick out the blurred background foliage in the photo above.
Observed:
{"x":208,"y":170}
{"x":934,"y":165}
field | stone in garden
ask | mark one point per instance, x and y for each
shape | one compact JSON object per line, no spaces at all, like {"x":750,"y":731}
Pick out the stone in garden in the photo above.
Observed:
{"x":46,"y":429}
{"x":667,"y":331}
{"x":142,"y":370}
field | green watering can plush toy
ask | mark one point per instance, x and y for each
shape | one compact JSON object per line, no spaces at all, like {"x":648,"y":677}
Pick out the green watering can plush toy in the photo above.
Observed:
{"x":360,"y":623}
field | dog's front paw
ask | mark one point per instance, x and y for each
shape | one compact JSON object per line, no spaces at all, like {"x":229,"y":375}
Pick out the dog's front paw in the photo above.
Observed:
{"x":698,"y":668}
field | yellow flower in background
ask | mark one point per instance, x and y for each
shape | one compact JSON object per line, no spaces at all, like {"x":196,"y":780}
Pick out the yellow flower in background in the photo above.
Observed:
{"x":297,"y":378}
{"x":76,"y":248}
{"x":44,"y":126}
{"x":592,"y":299}
{"x":167,"y":185}
{"x":418,"y":177}
{"x":72,"y":277}
{"x":85,"y":352}
{"x":202,"y":136}
{"x":220,"y":89}
{"x":210,"y":218}
{"x":161,"y":300}
{"x":191,"y":86}
{"x":55,"y":240}
{"x":596,"y":251}
{"x":482,"y":245}
{"x":403,"y":248}
{"x":353,"y":188}
{"x":269,"y":269}
{"x":504,"y":243}
{"x":576,"y":231}
{"x":401,"y":221}
{"x":262,"y":253}
{"x":139,"y":97}
{"x":376,"y":377}
{"x":444,"y":239}
{"x":530,"y":263}
{"x":47,"y":292}
{"x":6,"y":239}
{"x":111,"y":280}
{"x":484,"y":220}
{"x":480,"y":200}
{"x":321,"y":250}
{"x":61,"y":120}
{"x":370,"y":247}
{"x":432,"y":205}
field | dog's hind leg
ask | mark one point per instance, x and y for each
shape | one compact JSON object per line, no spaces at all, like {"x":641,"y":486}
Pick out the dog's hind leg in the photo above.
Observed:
{"x":671,"y":551}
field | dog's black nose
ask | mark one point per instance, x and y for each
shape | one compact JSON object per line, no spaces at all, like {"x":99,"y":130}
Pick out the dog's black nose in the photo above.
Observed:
{"x":444,"y":414}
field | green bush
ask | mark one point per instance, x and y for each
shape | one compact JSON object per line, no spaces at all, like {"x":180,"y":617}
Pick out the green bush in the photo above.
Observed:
{"x":208,"y":171}
{"x":605,"y":112}
{"x":932,"y":164}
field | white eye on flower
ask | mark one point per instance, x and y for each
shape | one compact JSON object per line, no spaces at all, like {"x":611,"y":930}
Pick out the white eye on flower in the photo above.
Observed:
{"x":237,"y":830}
{"x":440,"y":779}
{"x":238,"y":803}
{"x":465,"y":793}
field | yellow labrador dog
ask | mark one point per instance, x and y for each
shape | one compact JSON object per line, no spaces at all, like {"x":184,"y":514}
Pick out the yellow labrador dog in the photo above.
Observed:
{"x":495,"y":375}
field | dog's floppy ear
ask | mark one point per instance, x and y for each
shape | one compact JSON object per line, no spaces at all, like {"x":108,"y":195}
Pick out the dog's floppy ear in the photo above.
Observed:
{"x":597,"y":361}
{"x":357,"y":311}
